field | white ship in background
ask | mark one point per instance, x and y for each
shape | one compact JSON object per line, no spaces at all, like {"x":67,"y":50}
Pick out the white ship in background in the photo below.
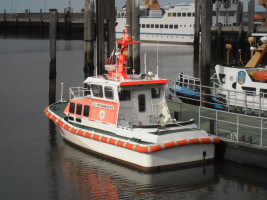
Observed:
{"x":175,"y":23}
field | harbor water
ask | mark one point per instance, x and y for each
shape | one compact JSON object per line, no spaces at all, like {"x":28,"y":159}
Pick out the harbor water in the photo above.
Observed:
{"x":36,"y":163}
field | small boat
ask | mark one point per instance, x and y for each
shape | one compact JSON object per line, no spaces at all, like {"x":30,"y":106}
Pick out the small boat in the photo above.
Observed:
{"x":187,"y":88}
{"x":245,"y":86}
{"x":125,"y":117}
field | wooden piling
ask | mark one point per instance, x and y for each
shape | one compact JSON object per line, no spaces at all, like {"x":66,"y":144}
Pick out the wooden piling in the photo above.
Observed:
{"x":67,"y":23}
{"x":205,"y":61}
{"x":41,"y":23}
{"x":129,"y":31}
{"x":251,"y":10}
{"x":136,"y":35}
{"x":5,"y":24}
{"x":196,"y":39}
{"x":52,"y":63}
{"x":100,"y":36}
{"x":110,"y":16}
{"x":89,"y":23}
{"x":29,"y":23}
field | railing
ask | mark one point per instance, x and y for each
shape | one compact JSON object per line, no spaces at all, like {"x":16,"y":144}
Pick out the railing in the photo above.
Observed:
{"x":216,"y":96}
{"x":75,"y":92}
{"x":236,"y":127}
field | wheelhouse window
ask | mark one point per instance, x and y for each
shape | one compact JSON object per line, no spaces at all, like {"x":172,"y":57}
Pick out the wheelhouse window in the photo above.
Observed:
{"x":152,"y":25}
{"x":175,"y":26}
{"x":109,"y":92}
{"x":125,"y":95}
{"x":166,"y":26}
{"x":179,"y":14}
{"x":155,"y":93}
{"x":184,"y":14}
{"x":161,"y":25}
{"x":142,"y":102}
{"x":222,"y":78}
{"x":79,"y":109}
{"x":171,"y":26}
{"x":263,"y":93}
{"x":188,"y":14}
{"x":249,"y":90}
{"x":147,"y":25}
{"x":157,"y":26}
{"x":86,"y":110}
{"x":174,"y":14}
{"x":72,"y":107}
{"x":97,"y":90}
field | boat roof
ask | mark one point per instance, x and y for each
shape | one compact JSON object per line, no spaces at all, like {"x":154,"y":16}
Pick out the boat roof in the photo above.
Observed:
{"x":101,"y":80}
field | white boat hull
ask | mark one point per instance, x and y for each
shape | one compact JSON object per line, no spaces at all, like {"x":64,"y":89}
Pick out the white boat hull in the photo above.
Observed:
{"x":184,"y":155}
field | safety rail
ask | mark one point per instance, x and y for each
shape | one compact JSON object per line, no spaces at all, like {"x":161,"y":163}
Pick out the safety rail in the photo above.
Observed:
{"x":234,"y":126}
{"x":191,"y":90}
{"x":75,"y":92}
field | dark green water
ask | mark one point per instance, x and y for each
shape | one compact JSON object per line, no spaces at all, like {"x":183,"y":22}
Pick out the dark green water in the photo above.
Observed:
{"x":35,"y":163}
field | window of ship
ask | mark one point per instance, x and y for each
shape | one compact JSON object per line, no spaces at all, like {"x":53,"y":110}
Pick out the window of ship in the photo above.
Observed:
{"x":152,"y":25}
{"x":86,"y":110}
{"x":161,"y":25}
{"x":169,"y":14}
{"x":72,"y":107}
{"x":147,"y":25}
{"x":143,"y":25}
{"x":250,"y":91}
{"x":174,"y":14}
{"x":79,"y":109}
{"x":193,"y":14}
{"x":214,"y":13}
{"x":188,"y":14}
{"x":157,"y":26}
{"x":179,"y":14}
{"x":155,"y":93}
{"x":175,"y":26}
{"x":222,"y":78}
{"x":97,"y":90}
{"x":109,"y":92}
{"x":263,"y":93}
{"x":222,"y":13}
{"x":166,"y":26}
{"x":142,"y":102}
{"x":171,"y":25}
{"x":125,"y":95}
{"x":231,"y":14}
{"x":184,"y":14}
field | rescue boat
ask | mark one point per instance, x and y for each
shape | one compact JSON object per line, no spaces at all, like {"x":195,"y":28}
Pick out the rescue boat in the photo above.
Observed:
{"x":125,"y":118}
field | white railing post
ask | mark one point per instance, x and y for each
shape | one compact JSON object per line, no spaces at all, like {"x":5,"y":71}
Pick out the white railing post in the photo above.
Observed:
{"x":261,"y":132}
{"x":228,"y":100}
{"x":216,"y":122}
{"x":237,"y":127}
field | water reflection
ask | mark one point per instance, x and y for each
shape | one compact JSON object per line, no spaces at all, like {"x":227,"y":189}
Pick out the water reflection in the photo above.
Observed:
{"x":89,"y":176}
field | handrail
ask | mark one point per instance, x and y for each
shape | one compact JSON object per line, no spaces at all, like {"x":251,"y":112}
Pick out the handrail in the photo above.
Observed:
{"x":75,"y":92}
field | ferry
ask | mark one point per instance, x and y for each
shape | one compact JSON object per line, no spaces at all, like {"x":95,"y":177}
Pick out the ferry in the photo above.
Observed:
{"x":175,"y":23}
{"x":125,"y":117}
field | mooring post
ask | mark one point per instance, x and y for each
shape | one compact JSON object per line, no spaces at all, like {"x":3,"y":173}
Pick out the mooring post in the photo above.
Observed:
{"x":67,"y":22}
{"x":110,"y":17}
{"x":5,"y":24}
{"x":52,"y":63}
{"x":196,"y":39}
{"x":100,"y":31}
{"x":136,"y":36}
{"x":251,"y":10}
{"x":206,"y":17}
{"x":29,"y":23}
{"x":89,"y":23}
{"x":41,"y":23}
{"x":129,"y":31}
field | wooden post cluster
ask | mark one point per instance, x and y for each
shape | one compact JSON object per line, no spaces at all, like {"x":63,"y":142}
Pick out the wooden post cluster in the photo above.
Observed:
{"x":52,"y":63}
{"x":206,"y":20}
{"x":89,"y":24}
